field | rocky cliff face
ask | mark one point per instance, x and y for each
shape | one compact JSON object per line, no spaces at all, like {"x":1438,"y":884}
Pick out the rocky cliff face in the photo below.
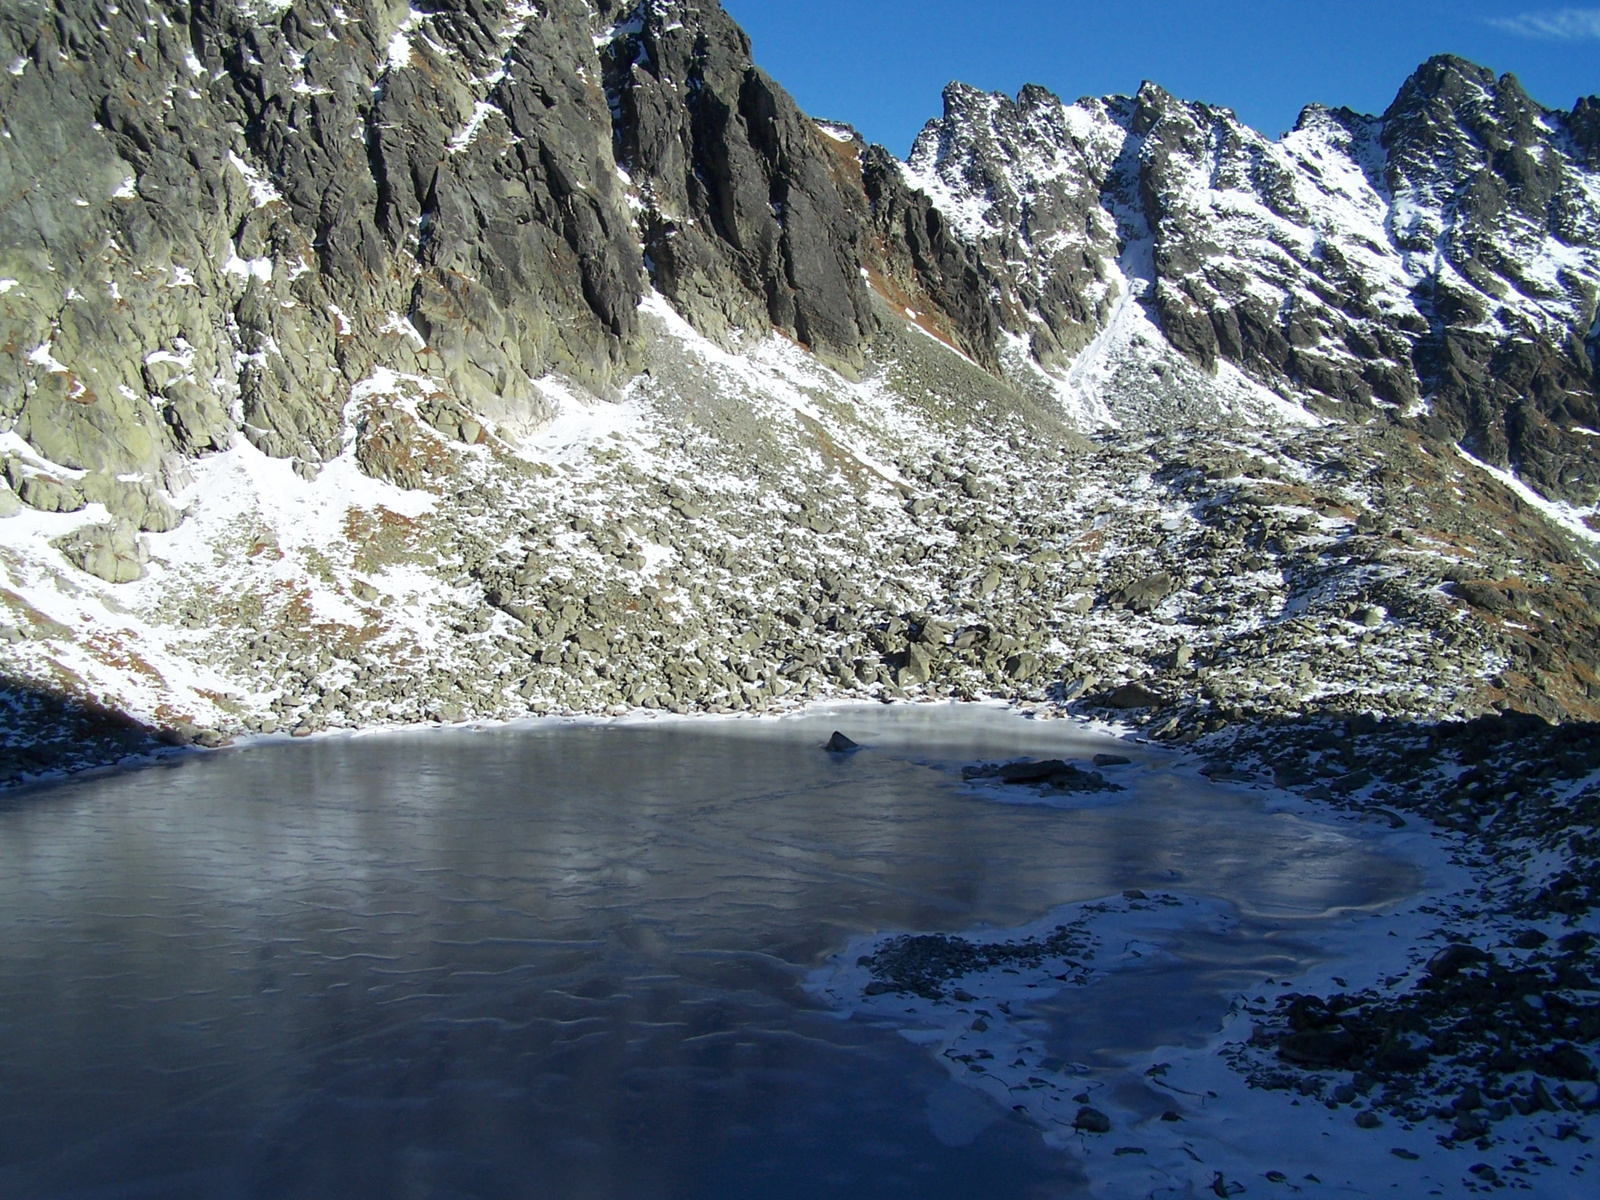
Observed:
{"x":1440,"y":262}
{"x":370,"y":363}
{"x":222,"y":215}
{"x":748,"y":220}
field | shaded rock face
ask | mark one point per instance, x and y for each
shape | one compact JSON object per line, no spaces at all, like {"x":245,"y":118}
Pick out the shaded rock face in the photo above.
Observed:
{"x":1032,"y":186}
{"x":919,"y":253}
{"x":220,"y":216}
{"x":1440,"y":262}
{"x":749,"y":216}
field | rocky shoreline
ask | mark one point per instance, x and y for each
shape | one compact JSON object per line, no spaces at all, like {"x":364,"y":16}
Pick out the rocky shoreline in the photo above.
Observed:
{"x":1490,"y":1024}
{"x":508,"y":361}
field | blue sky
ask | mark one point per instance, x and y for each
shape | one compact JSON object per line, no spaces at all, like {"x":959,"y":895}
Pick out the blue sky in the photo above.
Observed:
{"x":880,"y":64}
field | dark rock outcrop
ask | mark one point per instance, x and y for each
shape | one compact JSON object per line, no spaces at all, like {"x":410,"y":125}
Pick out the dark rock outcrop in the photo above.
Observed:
{"x":750,"y":218}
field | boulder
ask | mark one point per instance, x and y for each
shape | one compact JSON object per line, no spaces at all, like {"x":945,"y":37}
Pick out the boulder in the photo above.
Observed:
{"x":918,"y":667}
{"x":46,"y":492}
{"x":140,"y":503}
{"x":1031,"y":772}
{"x":1319,"y":1048}
{"x":1448,"y":962}
{"x":1134,"y":695}
{"x":113,"y":552}
{"x":1091,"y":1120}
{"x":1566,"y":1061}
{"x":1023,"y":666}
{"x":1482,"y":595}
{"x":196,"y":419}
{"x":1144,"y":594}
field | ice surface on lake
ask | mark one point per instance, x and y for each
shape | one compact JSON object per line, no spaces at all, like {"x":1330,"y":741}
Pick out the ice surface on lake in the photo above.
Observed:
{"x":453,"y":962}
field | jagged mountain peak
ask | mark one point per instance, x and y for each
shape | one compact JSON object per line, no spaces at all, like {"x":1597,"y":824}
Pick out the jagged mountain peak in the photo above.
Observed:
{"x":1438,"y":263}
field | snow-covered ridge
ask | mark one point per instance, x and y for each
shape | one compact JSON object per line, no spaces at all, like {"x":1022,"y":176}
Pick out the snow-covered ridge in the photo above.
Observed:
{"x":1333,"y":265}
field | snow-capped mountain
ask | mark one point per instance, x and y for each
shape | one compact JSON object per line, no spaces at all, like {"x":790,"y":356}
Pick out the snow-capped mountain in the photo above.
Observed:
{"x":369,"y":363}
{"x":1440,"y":262}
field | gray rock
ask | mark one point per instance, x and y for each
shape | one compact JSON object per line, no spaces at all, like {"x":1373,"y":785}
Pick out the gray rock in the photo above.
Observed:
{"x":1023,"y":666}
{"x":197,"y":421}
{"x":1144,"y":594}
{"x":1482,"y":595}
{"x":1073,"y":688}
{"x":112,"y":552}
{"x":1091,"y":1120}
{"x":1134,"y":695}
{"x":755,"y":215}
{"x":46,"y":492}
{"x":918,"y":668}
{"x":139,"y":503}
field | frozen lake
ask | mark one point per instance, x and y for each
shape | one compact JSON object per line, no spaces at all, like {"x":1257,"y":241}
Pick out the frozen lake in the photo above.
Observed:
{"x":570,"y":961}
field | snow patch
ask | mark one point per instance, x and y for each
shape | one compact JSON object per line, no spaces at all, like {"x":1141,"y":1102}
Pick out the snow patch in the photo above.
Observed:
{"x":397,"y":55}
{"x":245,"y":268}
{"x":581,"y":422}
{"x":262,"y":193}
{"x":1569,"y":517}
{"x":402,"y":326}
{"x":41,"y":356}
{"x":469,"y":133}
{"x":621,"y":29}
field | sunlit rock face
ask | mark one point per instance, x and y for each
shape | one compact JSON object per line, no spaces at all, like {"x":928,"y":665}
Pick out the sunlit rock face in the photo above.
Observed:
{"x":1440,"y":262}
